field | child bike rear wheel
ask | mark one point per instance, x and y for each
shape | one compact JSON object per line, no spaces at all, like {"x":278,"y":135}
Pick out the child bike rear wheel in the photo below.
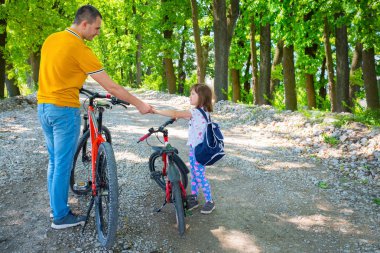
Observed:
{"x":156,"y":165}
{"x":178,"y":204}
{"x":81,"y":175}
{"x":106,"y":202}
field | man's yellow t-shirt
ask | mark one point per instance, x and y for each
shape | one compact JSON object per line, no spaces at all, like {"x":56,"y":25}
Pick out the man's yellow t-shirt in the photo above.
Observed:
{"x":66,"y":62}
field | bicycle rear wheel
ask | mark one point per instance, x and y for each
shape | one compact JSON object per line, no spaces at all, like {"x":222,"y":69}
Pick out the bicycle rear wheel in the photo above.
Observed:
{"x":106,"y":202}
{"x":81,"y":175}
{"x":156,"y":165}
{"x":178,"y":204}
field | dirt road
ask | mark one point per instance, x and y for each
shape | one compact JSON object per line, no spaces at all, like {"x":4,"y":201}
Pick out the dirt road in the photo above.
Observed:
{"x":266,"y":195}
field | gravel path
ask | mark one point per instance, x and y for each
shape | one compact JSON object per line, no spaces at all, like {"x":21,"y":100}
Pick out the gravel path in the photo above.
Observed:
{"x":280,"y":188}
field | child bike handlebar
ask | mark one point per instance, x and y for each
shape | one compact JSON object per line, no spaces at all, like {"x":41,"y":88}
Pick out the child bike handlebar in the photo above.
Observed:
{"x":160,"y":129}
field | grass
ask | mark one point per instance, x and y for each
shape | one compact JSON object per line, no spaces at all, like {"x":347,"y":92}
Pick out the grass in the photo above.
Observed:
{"x":323,"y":185}
{"x":376,"y":201}
{"x":333,"y":141}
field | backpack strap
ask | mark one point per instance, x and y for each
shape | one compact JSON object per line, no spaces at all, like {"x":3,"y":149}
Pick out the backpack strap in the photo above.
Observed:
{"x":204,"y":114}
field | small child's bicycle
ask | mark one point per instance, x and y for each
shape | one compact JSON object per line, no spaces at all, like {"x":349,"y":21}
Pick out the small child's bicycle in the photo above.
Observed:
{"x":169,"y":172}
{"x":94,"y":167}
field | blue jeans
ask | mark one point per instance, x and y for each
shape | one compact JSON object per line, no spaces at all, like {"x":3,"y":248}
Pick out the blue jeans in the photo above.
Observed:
{"x":61,"y":127}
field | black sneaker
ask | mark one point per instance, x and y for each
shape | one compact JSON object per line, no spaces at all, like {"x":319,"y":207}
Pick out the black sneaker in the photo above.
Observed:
{"x":70,"y":220}
{"x":192,"y":202}
{"x":208,"y":207}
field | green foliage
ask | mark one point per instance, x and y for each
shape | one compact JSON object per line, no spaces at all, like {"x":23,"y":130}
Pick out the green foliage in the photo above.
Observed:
{"x":332,"y":140}
{"x":279,"y":98}
{"x":366,"y":116}
{"x":376,"y":201}
{"x":277,"y":72}
{"x":323,"y":185}
{"x":356,"y":78}
{"x":298,"y":23}
{"x":153,"y":82}
{"x":43,"y":18}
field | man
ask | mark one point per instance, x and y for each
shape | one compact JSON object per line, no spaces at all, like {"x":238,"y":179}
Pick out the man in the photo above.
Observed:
{"x":65,"y":64}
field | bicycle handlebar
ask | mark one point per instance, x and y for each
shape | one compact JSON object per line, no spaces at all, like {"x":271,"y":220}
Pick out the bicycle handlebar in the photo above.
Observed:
{"x":160,"y":129}
{"x":92,"y":95}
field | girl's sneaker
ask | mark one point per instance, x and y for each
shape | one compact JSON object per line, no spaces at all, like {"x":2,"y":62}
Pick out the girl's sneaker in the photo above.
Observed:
{"x":208,"y":207}
{"x":192,"y":202}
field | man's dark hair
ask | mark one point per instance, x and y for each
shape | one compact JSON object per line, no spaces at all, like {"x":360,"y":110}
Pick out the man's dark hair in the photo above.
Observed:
{"x":88,"y":13}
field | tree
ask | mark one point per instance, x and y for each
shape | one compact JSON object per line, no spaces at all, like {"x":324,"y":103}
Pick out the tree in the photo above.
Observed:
{"x":370,"y":83}
{"x":255,"y":78}
{"x":289,"y":78}
{"x":277,"y":60}
{"x":330,"y":66}
{"x":355,"y":73}
{"x":3,"y":36}
{"x":288,"y":22}
{"x":201,"y":68}
{"x":342,"y":69}
{"x":369,"y":24}
{"x":168,"y":61}
{"x":310,"y":52}
{"x":223,"y":30}
{"x":265,"y":64}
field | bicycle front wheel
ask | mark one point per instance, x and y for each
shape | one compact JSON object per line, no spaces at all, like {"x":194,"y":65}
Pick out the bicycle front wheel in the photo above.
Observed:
{"x":156,"y":165}
{"x":106,"y":203}
{"x":81,"y":175}
{"x":178,"y":204}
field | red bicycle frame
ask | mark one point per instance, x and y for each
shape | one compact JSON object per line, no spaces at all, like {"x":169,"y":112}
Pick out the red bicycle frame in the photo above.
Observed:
{"x":96,"y":139}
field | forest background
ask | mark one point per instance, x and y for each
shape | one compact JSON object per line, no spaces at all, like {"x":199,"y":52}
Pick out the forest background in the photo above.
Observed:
{"x":292,"y":54}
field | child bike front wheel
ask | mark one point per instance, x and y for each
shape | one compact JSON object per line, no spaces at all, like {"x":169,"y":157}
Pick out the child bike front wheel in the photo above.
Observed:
{"x":178,"y":205}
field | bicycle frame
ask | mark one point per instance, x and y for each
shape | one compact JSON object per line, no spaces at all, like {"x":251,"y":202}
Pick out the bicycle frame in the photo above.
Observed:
{"x":96,"y":139}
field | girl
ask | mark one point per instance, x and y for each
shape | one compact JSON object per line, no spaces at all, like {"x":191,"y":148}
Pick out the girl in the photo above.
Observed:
{"x":200,"y":97}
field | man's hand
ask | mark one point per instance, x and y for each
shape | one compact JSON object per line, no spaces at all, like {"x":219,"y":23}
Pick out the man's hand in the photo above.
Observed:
{"x":144,"y":108}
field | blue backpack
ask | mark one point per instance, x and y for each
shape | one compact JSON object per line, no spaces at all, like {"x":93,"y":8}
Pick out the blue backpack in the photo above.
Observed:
{"x":212,"y":148}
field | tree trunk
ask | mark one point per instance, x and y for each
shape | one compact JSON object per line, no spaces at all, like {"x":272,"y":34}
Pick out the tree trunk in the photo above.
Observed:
{"x":255,"y":78}
{"x":3,"y":36}
{"x":169,"y":74}
{"x":247,"y":86}
{"x":205,"y":50}
{"x":274,"y":82}
{"x":138,"y":60}
{"x":265,"y":65}
{"x":235,"y":79}
{"x":356,"y":65}
{"x":34,"y":60}
{"x":232,"y":16}
{"x":309,"y":79}
{"x":322,"y":89}
{"x":201,"y":70}
{"x":330,"y":66}
{"x":221,"y":51}
{"x":223,"y":30}
{"x":138,"y":51}
{"x":289,"y":78}
{"x":342,"y":69}
{"x":168,"y":61}
{"x":181,"y":71}
{"x":369,"y":76}
{"x":12,"y":88}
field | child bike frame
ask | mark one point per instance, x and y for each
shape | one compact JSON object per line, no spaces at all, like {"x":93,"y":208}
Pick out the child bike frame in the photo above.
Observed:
{"x":103,"y":180}
{"x":171,"y":176}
